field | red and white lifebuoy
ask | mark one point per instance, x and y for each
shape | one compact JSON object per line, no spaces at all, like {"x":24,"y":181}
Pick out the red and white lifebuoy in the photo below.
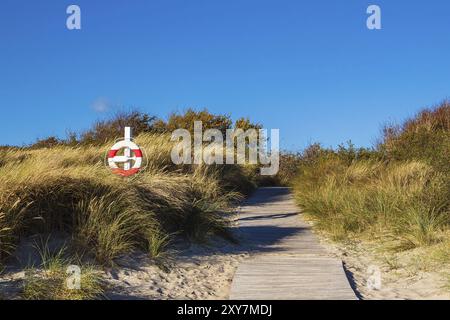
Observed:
{"x":136,"y":156}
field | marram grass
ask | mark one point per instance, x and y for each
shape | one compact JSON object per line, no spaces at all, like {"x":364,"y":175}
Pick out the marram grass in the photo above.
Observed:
{"x":71,"y":190}
{"x":407,"y":201}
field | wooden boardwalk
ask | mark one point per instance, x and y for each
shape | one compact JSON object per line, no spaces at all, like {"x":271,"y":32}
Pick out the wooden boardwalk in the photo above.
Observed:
{"x":287,"y":261}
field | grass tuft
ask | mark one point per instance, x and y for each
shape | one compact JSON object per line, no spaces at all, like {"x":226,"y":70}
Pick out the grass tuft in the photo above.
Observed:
{"x":52,"y":279}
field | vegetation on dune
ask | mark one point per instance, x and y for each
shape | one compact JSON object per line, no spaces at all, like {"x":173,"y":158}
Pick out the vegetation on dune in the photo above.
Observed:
{"x":75,"y":193}
{"x":397,"y":194}
{"x":407,"y":201}
{"x":52,"y":279}
{"x":425,"y":137}
{"x":104,"y":131}
{"x":63,"y":187}
{"x":51,"y":284}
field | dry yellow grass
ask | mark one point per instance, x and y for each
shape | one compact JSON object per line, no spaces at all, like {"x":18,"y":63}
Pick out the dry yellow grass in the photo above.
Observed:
{"x":71,"y":190}
{"x":406,"y":201}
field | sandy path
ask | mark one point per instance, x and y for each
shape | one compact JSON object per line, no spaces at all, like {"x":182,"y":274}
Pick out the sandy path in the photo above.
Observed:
{"x":198,"y":272}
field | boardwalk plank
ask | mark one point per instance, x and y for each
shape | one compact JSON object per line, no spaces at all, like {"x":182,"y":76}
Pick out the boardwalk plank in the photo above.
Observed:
{"x":287,"y":260}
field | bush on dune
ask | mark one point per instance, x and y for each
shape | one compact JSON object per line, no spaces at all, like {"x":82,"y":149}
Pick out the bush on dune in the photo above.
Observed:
{"x":186,"y":121}
{"x":425,"y":137}
{"x":110,"y":129}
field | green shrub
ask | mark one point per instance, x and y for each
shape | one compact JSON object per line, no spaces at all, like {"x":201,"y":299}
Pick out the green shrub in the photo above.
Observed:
{"x":113,"y":128}
{"x":425,"y":137}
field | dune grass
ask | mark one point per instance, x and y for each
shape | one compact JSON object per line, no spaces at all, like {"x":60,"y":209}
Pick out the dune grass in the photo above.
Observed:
{"x":396,"y":195}
{"x":51,"y":279}
{"x":68,"y":189}
{"x":407,"y":202}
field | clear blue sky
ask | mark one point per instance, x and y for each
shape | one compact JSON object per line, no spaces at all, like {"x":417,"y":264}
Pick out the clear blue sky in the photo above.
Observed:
{"x":310,"y":68}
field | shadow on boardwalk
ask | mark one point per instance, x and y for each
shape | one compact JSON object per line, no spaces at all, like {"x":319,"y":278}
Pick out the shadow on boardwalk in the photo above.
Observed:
{"x":287,"y":261}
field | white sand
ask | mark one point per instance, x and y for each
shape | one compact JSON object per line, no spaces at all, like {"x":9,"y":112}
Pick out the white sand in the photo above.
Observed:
{"x":198,"y":272}
{"x":206,"y":272}
{"x":191,"y":272}
{"x":398,"y":279}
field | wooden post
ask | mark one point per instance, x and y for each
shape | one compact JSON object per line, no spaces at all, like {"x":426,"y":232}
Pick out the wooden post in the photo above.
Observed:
{"x":127,"y":152}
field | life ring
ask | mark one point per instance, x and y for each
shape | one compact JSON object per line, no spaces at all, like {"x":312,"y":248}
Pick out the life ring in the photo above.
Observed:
{"x":136,"y":156}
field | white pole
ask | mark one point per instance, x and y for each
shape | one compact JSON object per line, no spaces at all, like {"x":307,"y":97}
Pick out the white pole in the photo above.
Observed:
{"x":127,"y":153}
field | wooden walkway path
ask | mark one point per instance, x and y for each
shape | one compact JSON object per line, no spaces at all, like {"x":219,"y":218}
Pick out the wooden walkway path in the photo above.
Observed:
{"x":287,"y":261}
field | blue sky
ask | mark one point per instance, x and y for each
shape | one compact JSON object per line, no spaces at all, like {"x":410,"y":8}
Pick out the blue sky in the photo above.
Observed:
{"x":310,"y":68}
